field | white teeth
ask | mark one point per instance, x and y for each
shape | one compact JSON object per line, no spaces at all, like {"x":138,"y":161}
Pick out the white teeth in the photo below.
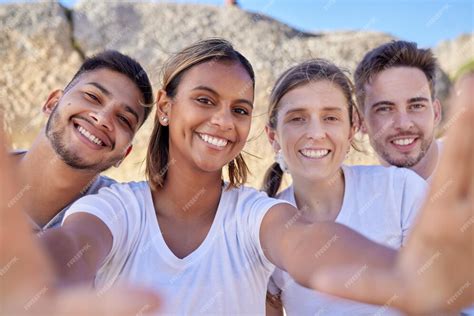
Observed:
{"x":311,"y":153}
{"x":219,"y":142}
{"x":89,"y":136}
{"x":404,"y":141}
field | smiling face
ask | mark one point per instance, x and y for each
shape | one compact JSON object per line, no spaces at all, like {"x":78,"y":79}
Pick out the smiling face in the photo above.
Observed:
{"x":400,"y":116}
{"x":313,"y":130}
{"x":92,"y":124}
{"x":210,"y":115}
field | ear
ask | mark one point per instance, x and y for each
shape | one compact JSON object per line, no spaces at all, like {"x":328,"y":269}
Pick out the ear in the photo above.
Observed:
{"x":52,"y":101}
{"x":356,"y":123}
{"x":127,"y":152}
{"x":163,"y":107}
{"x":272,"y":138}
{"x":363,"y":126}
{"x":437,"y":111}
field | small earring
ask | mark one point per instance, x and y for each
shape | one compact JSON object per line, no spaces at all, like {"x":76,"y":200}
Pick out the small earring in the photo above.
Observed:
{"x":281,"y":161}
{"x":164,"y":119}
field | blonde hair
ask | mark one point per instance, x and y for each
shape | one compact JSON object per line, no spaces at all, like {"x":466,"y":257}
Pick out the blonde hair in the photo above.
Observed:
{"x":209,"y":50}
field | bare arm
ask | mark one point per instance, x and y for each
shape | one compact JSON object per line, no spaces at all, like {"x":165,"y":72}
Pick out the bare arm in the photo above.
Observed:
{"x":77,"y":248}
{"x":302,"y":248}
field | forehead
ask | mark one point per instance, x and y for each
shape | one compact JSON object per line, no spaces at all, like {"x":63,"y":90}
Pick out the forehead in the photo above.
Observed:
{"x":120,"y":87}
{"x":314,"y":96}
{"x":397,"y":84}
{"x":229,"y":79}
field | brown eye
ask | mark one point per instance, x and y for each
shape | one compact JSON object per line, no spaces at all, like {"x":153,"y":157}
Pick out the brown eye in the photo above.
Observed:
{"x":241,"y":111}
{"x":382,"y":109}
{"x":125,"y":121}
{"x":332,"y":118}
{"x":297,"y":119}
{"x":204,"y":101}
{"x":92,"y":96}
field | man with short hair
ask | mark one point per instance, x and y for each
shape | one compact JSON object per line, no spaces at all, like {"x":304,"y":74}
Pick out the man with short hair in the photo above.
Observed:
{"x":90,"y":128}
{"x":395,"y":89}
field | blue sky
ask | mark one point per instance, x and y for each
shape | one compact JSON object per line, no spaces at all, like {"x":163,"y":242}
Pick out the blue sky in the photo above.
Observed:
{"x":426,"y":22}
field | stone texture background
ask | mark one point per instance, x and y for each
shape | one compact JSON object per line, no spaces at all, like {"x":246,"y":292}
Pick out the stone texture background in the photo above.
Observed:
{"x":42,"y":45}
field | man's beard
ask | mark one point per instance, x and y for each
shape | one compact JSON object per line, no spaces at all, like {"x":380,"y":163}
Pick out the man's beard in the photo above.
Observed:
{"x":55,"y":133}
{"x":407,"y":161}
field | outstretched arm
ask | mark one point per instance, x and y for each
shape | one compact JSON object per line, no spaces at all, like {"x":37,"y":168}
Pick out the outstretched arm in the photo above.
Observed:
{"x":27,"y":278}
{"x":302,"y":248}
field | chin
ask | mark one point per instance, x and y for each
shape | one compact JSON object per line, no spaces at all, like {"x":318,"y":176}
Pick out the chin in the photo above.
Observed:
{"x":207,"y":166}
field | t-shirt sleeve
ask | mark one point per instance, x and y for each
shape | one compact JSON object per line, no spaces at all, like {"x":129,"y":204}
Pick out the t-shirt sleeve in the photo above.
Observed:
{"x":254,"y":208}
{"x":414,"y":193}
{"x":110,"y":208}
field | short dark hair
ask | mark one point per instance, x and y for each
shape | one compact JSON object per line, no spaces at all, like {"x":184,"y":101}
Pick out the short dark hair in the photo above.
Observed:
{"x":394,"y":54}
{"x":116,"y":61}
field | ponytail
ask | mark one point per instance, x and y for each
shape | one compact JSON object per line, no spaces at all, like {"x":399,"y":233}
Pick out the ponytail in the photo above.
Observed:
{"x":272,"y":180}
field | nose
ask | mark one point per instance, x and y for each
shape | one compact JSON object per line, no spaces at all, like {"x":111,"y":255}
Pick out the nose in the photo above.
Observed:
{"x":402,"y":121}
{"x":315,"y":130}
{"x":102,"y":118}
{"x":223,"y":119}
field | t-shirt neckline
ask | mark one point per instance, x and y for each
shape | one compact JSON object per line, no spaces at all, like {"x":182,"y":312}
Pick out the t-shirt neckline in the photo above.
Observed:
{"x":162,"y":248}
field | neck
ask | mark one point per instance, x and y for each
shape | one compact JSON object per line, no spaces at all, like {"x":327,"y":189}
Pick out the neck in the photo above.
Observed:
{"x":320,"y":200}
{"x":48,"y":183}
{"x":188,"y":194}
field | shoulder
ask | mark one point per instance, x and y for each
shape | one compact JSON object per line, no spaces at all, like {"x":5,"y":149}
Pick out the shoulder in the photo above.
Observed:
{"x":245,"y":193}
{"x":380,"y":174}
{"x":249,"y":200}
{"x":123,"y":193}
{"x":99,"y":183}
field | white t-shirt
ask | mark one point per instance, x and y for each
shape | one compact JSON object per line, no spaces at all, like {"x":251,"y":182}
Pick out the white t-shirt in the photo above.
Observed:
{"x":381,"y":204}
{"x":227,"y":274}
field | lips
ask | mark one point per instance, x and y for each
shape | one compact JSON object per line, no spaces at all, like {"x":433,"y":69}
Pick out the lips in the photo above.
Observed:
{"x":91,"y":133}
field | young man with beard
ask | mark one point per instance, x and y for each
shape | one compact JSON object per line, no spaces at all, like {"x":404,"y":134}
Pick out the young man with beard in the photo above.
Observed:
{"x":395,"y":89}
{"x":90,"y":128}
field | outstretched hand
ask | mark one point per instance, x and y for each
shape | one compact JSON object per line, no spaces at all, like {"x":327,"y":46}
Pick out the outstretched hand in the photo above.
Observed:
{"x":434,"y":272}
{"x":27,"y":281}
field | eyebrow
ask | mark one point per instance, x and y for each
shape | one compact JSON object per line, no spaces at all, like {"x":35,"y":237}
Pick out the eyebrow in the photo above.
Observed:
{"x":205,"y":88}
{"x":107,"y":93}
{"x":418,"y":99}
{"x":411,"y":100}
{"x":382,"y":103}
{"x":100,"y":87}
{"x":327,"y":108}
